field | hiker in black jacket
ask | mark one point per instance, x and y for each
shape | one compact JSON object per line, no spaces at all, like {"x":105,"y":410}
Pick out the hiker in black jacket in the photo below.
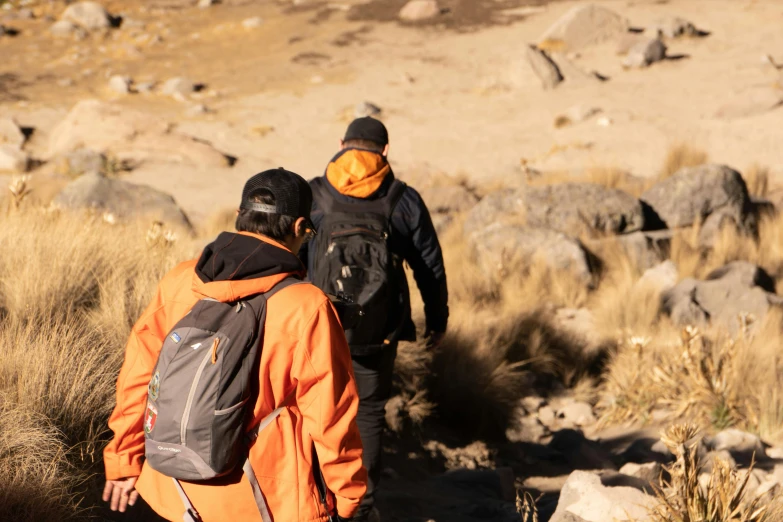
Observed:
{"x":369,"y":223}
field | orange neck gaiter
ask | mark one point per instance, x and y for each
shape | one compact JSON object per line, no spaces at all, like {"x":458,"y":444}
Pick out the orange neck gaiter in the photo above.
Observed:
{"x":358,"y":173}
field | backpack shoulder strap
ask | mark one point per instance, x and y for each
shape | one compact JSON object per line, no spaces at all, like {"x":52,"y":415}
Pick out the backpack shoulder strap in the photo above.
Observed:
{"x":393,"y":197}
{"x":321,"y":195}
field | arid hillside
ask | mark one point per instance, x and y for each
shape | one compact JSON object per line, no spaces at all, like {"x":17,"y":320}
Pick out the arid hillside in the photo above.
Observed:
{"x":605,"y":178}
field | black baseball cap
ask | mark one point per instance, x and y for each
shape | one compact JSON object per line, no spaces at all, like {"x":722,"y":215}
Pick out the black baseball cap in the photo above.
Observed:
{"x":293,"y":195}
{"x":367,"y":128}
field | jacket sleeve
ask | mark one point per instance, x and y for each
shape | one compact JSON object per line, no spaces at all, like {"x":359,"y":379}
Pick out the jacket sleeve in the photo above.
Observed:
{"x":423,"y":253}
{"x":327,"y":398}
{"x":122,"y":456}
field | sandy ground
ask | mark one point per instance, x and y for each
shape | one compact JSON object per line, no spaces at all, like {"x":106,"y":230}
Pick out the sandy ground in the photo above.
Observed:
{"x":457,"y":95}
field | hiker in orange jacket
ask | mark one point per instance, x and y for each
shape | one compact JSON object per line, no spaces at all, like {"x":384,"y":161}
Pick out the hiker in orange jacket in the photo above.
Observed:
{"x":304,"y":355}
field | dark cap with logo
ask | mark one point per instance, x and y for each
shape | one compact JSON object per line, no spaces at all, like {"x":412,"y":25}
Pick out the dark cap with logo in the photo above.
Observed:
{"x":293,"y":195}
{"x":367,"y":128}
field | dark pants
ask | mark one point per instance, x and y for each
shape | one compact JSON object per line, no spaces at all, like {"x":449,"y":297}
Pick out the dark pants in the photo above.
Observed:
{"x":374,"y":382}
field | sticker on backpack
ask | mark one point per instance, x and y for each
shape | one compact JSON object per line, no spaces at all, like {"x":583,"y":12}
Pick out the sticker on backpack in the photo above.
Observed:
{"x":154,"y":388}
{"x":175,"y":337}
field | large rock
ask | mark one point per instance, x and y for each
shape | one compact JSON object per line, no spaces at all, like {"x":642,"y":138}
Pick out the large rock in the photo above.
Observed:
{"x":728,"y":294}
{"x":543,"y":67}
{"x":499,"y":248}
{"x":585,"y":499}
{"x":12,"y":159}
{"x":419,"y":10}
{"x":567,"y":207}
{"x":740,"y":444}
{"x":582,"y":26}
{"x":129,"y":135}
{"x":694,"y":194}
{"x":122,"y":199}
{"x":11,"y":134}
{"x":90,"y":16}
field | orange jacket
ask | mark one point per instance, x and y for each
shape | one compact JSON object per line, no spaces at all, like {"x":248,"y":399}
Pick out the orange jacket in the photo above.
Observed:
{"x":304,"y":349}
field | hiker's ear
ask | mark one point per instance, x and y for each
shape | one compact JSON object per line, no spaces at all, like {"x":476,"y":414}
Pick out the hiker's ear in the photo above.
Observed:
{"x":386,"y":151}
{"x":299,"y":227}
{"x":342,"y":144}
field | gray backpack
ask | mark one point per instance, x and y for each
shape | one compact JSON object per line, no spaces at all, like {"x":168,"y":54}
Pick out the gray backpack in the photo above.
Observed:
{"x":195,"y":421}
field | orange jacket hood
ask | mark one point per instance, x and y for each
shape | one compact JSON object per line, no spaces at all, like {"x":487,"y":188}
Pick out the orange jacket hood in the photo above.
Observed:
{"x":357,"y":173}
{"x":236,"y":266}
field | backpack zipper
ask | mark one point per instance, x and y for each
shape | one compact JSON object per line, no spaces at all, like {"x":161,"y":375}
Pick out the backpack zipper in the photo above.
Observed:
{"x":191,"y":395}
{"x":353,"y":231}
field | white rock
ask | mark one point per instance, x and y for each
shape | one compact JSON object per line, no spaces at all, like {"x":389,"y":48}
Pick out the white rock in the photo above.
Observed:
{"x":662,"y":277}
{"x":738,"y":442}
{"x":88,"y":15}
{"x":10,"y":133}
{"x":252,"y":23}
{"x":144,"y":87}
{"x":178,"y":86}
{"x":204,"y":4}
{"x":120,"y":84}
{"x":197,"y":110}
{"x":12,"y":159}
{"x":419,"y":10}
{"x":584,"y":498}
{"x":673,"y":27}
{"x":576,"y":414}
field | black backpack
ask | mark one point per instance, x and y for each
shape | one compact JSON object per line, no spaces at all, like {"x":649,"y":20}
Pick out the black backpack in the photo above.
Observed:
{"x":353,"y":260}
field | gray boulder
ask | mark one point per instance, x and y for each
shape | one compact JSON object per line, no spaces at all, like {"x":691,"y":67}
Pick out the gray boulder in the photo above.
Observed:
{"x":543,"y":67}
{"x":728,"y":294}
{"x":90,"y":16}
{"x":740,"y":444}
{"x":645,"y":249}
{"x":585,"y":499}
{"x":124,"y":200}
{"x":649,"y":472}
{"x":498,"y":249}
{"x":567,"y":207}
{"x":660,"y":278}
{"x":582,"y":26}
{"x":645,"y":53}
{"x":694,"y":194}
{"x":82,"y":161}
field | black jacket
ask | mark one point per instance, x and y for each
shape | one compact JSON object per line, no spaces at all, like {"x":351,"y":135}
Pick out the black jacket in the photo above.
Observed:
{"x":415,"y":240}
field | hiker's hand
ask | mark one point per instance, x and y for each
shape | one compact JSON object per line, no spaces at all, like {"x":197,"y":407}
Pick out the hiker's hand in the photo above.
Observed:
{"x":435,"y":339}
{"x":121,"y":493}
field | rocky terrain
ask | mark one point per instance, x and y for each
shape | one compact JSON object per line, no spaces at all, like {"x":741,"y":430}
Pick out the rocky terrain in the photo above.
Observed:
{"x":630,"y":148}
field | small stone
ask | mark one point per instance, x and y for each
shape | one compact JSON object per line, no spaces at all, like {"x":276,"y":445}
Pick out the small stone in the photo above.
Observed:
{"x":25,"y":14}
{"x":64,"y":28}
{"x":419,"y":10}
{"x":533,"y":403}
{"x":547,"y":416}
{"x":144,"y":87}
{"x":204,"y":4}
{"x":649,"y":472}
{"x":543,"y":67}
{"x":673,"y":27}
{"x":10,"y":133}
{"x":12,"y":159}
{"x":90,"y":16}
{"x":367,"y":109}
{"x":65,"y":82}
{"x":777,"y":454}
{"x":645,"y":54}
{"x":178,"y":87}
{"x":527,"y":429}
{"x":197,"y":110}
{"x":576,"y":414}
{"x":252,"y":23}
{"x":120,"y":84}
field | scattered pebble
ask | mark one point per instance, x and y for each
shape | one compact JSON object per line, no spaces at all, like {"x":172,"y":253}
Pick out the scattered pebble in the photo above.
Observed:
{"x":197,"y":110}
{"x":204,"y":4}
{"x":120,"y":84}
{"x":64,"y":28}
{"x":179,"y":87}
{"x":367,"y":109}
{"x":419,"y":10}
{"x":145,"y":87}
{"x":252,"y":23}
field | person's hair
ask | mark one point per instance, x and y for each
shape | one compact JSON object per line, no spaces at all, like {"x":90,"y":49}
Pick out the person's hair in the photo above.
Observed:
{"x":364,"y":144}
{"x":274,"y":226}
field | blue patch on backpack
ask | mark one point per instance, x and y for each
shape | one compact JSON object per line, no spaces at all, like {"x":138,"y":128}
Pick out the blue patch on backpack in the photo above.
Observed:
{"x":175,"y":337}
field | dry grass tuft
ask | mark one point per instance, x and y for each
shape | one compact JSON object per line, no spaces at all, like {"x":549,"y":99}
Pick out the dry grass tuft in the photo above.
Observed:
{"x":757,"y":179}
{"x":725,"y":498}
{"x":680,"y":156}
